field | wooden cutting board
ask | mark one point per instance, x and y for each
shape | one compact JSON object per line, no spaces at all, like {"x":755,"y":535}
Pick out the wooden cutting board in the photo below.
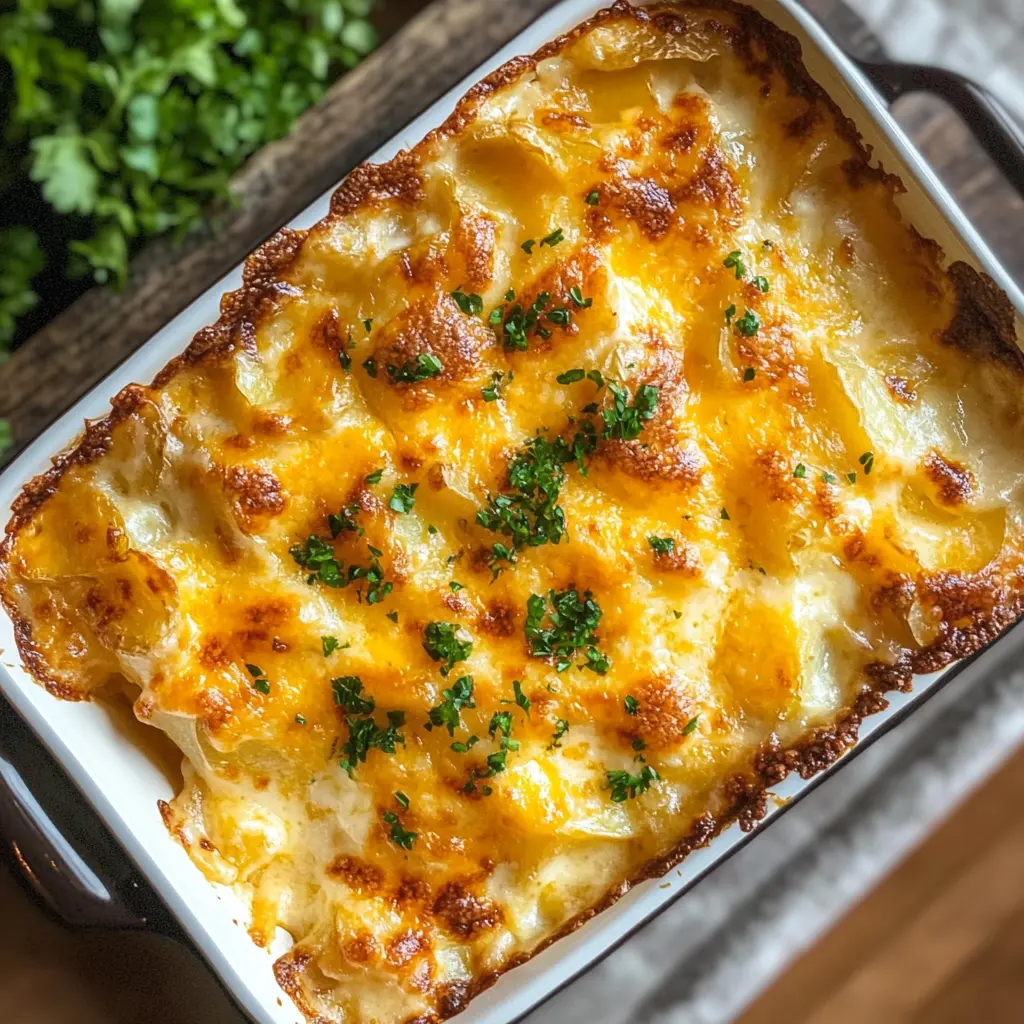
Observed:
{"x":52,"y":976}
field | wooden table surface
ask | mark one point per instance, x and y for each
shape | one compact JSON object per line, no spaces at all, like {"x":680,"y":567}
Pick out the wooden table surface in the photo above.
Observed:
{"x":52,"y":976}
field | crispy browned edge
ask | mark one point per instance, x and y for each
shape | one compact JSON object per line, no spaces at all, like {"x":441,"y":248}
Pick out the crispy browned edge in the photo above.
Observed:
{"x":983,"y":324}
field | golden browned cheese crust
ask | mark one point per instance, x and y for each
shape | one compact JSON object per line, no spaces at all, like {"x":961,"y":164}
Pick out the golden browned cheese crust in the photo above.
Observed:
{"x":591,"y":467}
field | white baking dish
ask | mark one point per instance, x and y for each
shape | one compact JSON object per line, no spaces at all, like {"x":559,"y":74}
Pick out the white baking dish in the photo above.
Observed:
{"x":110,"y":765}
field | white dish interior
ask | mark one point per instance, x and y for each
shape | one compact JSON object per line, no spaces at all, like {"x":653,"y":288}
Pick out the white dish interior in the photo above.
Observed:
{"x":123,"y":783}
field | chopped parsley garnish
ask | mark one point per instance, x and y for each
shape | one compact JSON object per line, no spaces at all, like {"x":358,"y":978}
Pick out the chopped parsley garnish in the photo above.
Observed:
{"x":561,"y":728}
{"x":563,"y":625}
{"x":520,"y":698}
{"x":577,"y":297}
{"x":624,"y":786}
{"x":761,"y":283}
{"x":345,"y":520}
{"x":254,"y":670}
{"x":852,"y":477}
{"x":368,"y":324}
{"x":735,"y":260}
{"x":724,"y":514}
{"x":393,"y":616}
{"x":446,"y":714}
{"x":624,"y":419}
{"x":317,"y":555}
{"x":593,"y":198}
{"x":749,"y":373}
{"x":364,"y":735}
{"x":402,"y":800}
{"x":828,"y":478}
{"x":493,"y":391}
{"x":678,"y":614}
{"x":571,"y":376}
{"x":501,"y":721}
{"x":730,"y":312}
{"x":455,"y":585}
{"x":300,"y":719}
{"x":330,"y":645}
{"x":638,"y":744}
{"x":529,"y":514}
{"x":348,"y":696}
{"x":399,"y":836}
{"x":560,"y":316}
{"x":528,"y":245}
{"x":423,"y":367}
{"x":800,"y":471}
{"x":690,"y":725}
{"x":471,"y":305}
{"x":403,"y":498}
{"x":554,"y":238}
{"x":432,"y":530}
{"x":867,"y":460}
{"x":631,"y":705}
{"x":344,"y":359}
{"x":748,"y":324}
{"x":377,"y":589}
{"x":374,"y":477}
{"x":662,"y":545}
{"x":441,"y":642}
{"x":370,"y":366}
{"x":597,"y":377}
{"x":262,"y":685}
{"x":519,"y":322}
{"x":464,"y":748}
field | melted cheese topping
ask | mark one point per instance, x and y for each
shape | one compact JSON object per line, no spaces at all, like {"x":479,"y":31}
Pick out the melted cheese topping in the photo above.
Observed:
{"x":843,"y":487}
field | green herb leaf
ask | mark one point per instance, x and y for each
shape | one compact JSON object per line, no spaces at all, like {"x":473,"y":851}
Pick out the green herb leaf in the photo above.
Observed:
{"x":624,"y":419}
{"x":329,"y":644}
{"x":800,"y":471}
{"x":447,"y":713}
{"x":631,"y":704}
{"x":471,"y":305}
{"x":577,"y":297}
{"x":442,"y":643}
{"x":423,"y":367}
{"x":561,"y":728}
{"x":564,"y":625}
{"x":761,"y":283}
{"x":593,"y":198}
{"x":571,"y":376}
{"x":735,"y":260}
{"x":690,"y":725}
{"x":402,"y":800}
{"x":262,"y":685}
{"x":624,"y":786}
{"x":402,"y":498}
{"x":348,"y":696}
{"x":399,"y":836}
{"x":528,"y":245}
{"x":748,"y":324}
{"x":554,"y":238}
{"x":374,"y":477}
{"x":749,"y":373}
{"x":662,"y":545}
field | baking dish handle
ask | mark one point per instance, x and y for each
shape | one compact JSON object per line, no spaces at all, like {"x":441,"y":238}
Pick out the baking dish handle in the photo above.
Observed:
{"x":993,"y":125}
{"x":45,"y":827}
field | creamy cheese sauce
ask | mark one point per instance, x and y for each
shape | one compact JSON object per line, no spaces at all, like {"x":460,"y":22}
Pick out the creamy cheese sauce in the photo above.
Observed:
{"x":817,"y":450}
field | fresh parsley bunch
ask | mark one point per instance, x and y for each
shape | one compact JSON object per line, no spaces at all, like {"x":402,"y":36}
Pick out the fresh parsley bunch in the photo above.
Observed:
{"x":130,"y":116}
